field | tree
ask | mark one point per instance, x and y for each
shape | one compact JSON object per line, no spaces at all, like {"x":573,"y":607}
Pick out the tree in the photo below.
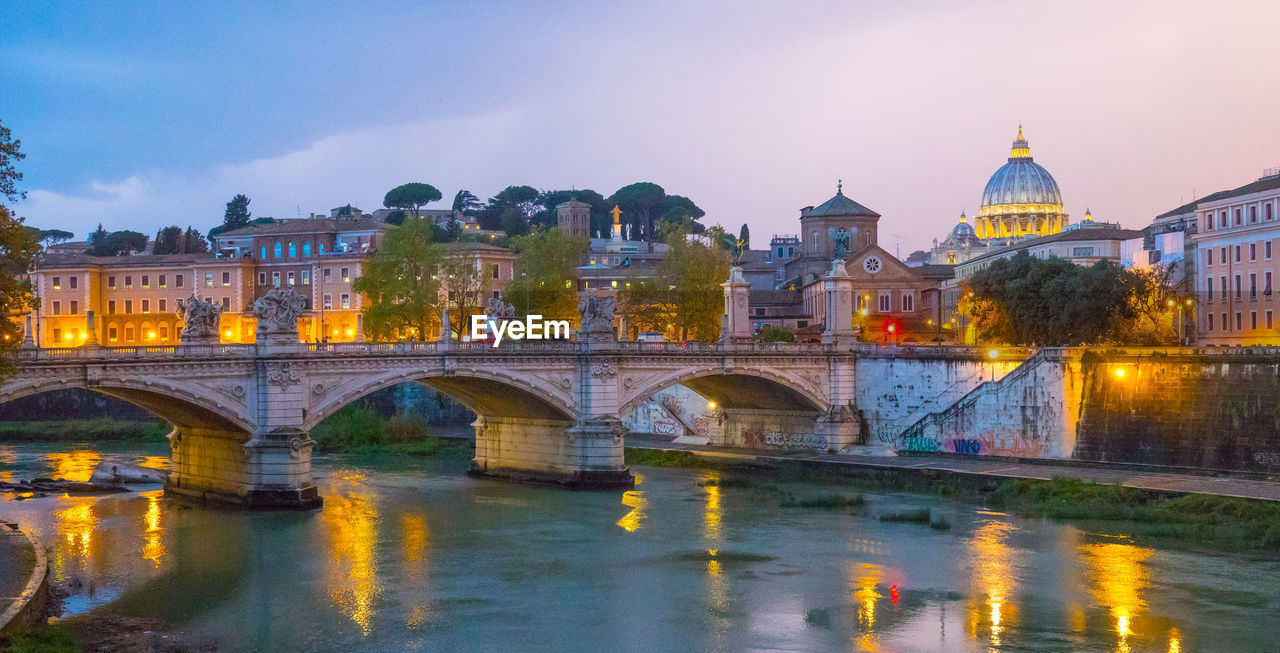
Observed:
{"x":168,"y":241}
{"x":396,"y":217}
{"x":98,"y":239}
{"x":193,"y":242}
{"x":18,"y":250}
{"x":642,"y":202}
{"x":684,"y":295}
{"x":462,"y":280}
{"x":54,"y":236}
{"x":117,"y":243}
{"x":744,"y":236}
{"x":770,"y":333}
{"x":237,"y":214}
{"x":522,"y":198}
{"x":550,"y":199}
{"x":347,"y":211}
{"x":453,"y":230}
{"x":401,"y":282}
{"x":546,"y":276}
{"x":514,"y":221}
{"x":10,"y":153}
{"x":466,"y":203}
{"x":411,"y":197}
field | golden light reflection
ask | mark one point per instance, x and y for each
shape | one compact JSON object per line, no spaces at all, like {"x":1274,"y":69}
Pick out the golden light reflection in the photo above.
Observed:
{"x":155,"y":462}
{"x":153,"y":532}
{"x":7,"y":457}
{"x":634,"y":499}
{"x":712,"y":518}
{"x":864,"y":581}
{"x":1175,"y":641}
{"x":993,"y":563}
{"x":351,"y":521}
{"x":1119,"y":576}
{"x":712,"y":515}
{"x":75,"y":526}
{"x":74,"y":466}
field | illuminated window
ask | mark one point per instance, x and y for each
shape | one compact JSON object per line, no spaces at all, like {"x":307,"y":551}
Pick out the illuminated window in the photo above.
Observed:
{"x":293,"y":250}
{"x":57,"y":283}
{"x":328,"y":301}
{"x":128,"y":281}
{"x":306,"y":277}
{"x":208,"y":279}
{"x":277,"y":250}
{"x":112,"y":334}
{"x":264,"y":252}
{"x":111,"y":282}
{"x":346,"y":275}
{"x":306,"y":248}
{"x":275,"y":279}
{"x":146,"y":281}
{"x":164,"y":328}
{"x":291,"y":277}
{"x":162,"y":282}
{"x":346,"y":300}
{"x":328,"y":274}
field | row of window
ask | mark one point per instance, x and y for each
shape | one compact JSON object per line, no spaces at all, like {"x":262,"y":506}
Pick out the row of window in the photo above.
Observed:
{"x":1238,"y":251}
{"x":162,"y":306}
{"x":73,"y":283}
{"x":162,"y":281}
{"x":1235,"y":217}
{"x":1253,"y":286}
{"x":1239,"y":326}
{"x":292,"y":277}
{"x":278,"y":249}
{"x":884,"y":303}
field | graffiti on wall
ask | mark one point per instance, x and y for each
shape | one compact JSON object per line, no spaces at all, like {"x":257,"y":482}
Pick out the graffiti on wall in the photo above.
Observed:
{"x":921,"y":444}
{"x":758,"y":439}
{"x":998,"y":443}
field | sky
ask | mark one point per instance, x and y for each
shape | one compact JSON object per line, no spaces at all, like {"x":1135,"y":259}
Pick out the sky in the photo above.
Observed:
{"x":139,"y":115}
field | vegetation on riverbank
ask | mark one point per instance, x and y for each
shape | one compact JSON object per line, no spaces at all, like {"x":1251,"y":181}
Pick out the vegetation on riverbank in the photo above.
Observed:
{"x":1196,"y":520}
{"x":76,"y":430}
{"x":360,"y":429}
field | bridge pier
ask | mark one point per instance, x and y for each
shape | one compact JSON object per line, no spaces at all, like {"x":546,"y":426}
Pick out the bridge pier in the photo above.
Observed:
{"x":583,"y":455}
{"x":270,"y":472}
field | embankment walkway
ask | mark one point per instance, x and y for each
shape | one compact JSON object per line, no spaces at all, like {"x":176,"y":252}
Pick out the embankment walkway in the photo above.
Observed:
{"x":925,"y":465}
{"x":22,"y":578}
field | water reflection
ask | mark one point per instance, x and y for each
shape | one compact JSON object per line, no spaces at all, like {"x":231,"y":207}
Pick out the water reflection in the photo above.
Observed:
{"x":76,"y":526}
{"x":7,"y":458}
{"x":994,"y":577}
{"x":1119,"y":576}
{"x":351,"y":523}
{"x":864,"y":582}
{"x":712,"y":517}
{"x":74,"y":466}
{"x":634,"y":499}
{"x":152,"y":531}
{"x":414,"y":535}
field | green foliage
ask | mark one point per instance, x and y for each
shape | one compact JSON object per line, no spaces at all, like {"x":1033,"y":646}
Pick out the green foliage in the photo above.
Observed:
{"x":921,"y":516}
{"x":452,"y":231}
{"x":683,"y":296}
{"x":400,"y":280}
{"x":55,"y":638}
{"x":510,"y":209}
{"x":254,"y":222}
{"x":1025,"y":300}
{"x":466,"y":203}
{"x":462,"y":279}
{"x":173,"y":240}
{"x":546,"y":277}
{"x":829,"y":501}
{"x":10,"y":153}
{"x":411,"y":197}
{"x":550,"y":199}
{"x":116,"y":243}
{"x":770,"y":333}
{"x":19,"y":247}
{"x":84,"y":430}
{"x":396,"y":217}
{"x":664,"y":458}
{"x":54,"y":236}
{"x":354,"y":425}
{"x":237,"y":214}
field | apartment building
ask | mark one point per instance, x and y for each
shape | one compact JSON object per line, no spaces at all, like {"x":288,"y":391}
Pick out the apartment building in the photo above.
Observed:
{"x":1236,"y":255}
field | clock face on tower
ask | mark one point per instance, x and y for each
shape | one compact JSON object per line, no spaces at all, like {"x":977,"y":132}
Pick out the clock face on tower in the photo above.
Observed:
{"x":871,"y":264}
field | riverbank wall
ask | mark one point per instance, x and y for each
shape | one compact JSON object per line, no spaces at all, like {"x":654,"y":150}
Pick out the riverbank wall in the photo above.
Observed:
{"x":24,"y":581}
{"x":1216,"y":409}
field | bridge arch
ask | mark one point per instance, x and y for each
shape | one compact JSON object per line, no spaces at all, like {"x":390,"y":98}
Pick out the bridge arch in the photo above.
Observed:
{"x":742,"y":388}
{"x":489,"y":394}
{"x":185,"y":405}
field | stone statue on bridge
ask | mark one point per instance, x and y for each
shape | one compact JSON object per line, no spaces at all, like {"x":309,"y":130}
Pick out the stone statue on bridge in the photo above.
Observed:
{"x":278,"y":311}
{"x":597,"y":316}
{"x":495,"y":309}
{"x":200,"y":320}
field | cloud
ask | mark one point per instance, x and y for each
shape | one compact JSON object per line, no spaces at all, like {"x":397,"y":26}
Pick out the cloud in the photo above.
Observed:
{"x":357,"y":167}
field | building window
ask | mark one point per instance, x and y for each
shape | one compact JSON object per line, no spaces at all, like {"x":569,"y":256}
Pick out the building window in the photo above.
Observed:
{"x":208,"y":279}
{"x":75,"y":282}
{"x":346,"y":300}
{"x":1208,"y":257}
{"x":306,"y":248}
{"x":1253,"y":285}
{"x":226,"y":278}
{"x":1237,"y":286}
{"x":1224,"y":287}
{"x":264,"y":252}
{"x":886,"y":302}
{"x":1253,"y":319}
{"x":1253,"y":251}
{"x":1239,"y":321}
{"x":1266,"y":250}
{"x":291,"y":277}
{"x":1269,"y":319}
{"x":1253,"y":214}
{"x":1208,"y":286}
{"x":162,"y":306}
{"x":128,"y":281}
{"x":262,"y":278}
{"x":1223,"y":252}
{"x":112,"y":334}
{"x":1208,"y":222}
{"x":146,"y":281}
{"x":1211,"y":321}
{"x":57,"y":283}
{"x":306,"y":277}
{"x":275,"y":279}
{"x":495,"y":270}
{"x":1082,"y":251}
{"x":328,"y":301}
{"x":319,"y":248}
{"x":1226,"y":326}
{"x":1266,"y":282}
{"x":226,"y":303}
{"x":111,"y":283}
{"x":328,"y":275}
{"x":164,"y":330}
{"x":146,"y":306}
{"x":128,"y":333}
{"x":128,"y":307}
{"x":177,"y":280}
{"x":111,"y":307}
{"x":277,"y":250}
{"x":293,"y":250}
{"x":162,"y":282}
{"x":346,"y":275}
{"x":1237,"y":253}
{"x":57,"y":308}
{"x":57,"y":334}
{"x":1270,"y":211}
{"x":75,"y":307}
{"x":1239,"y":220}
{"x":908,"y":302}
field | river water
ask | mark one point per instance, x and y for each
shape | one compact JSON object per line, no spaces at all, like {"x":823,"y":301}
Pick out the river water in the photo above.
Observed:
{"x":413,"y":554}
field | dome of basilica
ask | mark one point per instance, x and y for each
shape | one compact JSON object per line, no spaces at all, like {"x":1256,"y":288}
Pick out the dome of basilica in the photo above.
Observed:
{"x":1021,"y":198}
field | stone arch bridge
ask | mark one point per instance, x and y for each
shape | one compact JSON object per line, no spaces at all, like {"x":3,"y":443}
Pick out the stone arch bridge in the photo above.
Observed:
{"x":546,"y":410}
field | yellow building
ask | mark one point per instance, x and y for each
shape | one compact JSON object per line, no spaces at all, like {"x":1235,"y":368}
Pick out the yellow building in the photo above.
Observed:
{"x":1021,"y":199}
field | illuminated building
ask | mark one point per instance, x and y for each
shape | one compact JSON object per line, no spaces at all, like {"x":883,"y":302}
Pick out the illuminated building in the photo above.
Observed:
{"x":1021,"y":199}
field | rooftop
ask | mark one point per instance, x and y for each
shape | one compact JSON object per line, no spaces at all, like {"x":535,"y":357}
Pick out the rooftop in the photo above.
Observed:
{"x":1265,"y":183}
{"x":308,"y":226}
